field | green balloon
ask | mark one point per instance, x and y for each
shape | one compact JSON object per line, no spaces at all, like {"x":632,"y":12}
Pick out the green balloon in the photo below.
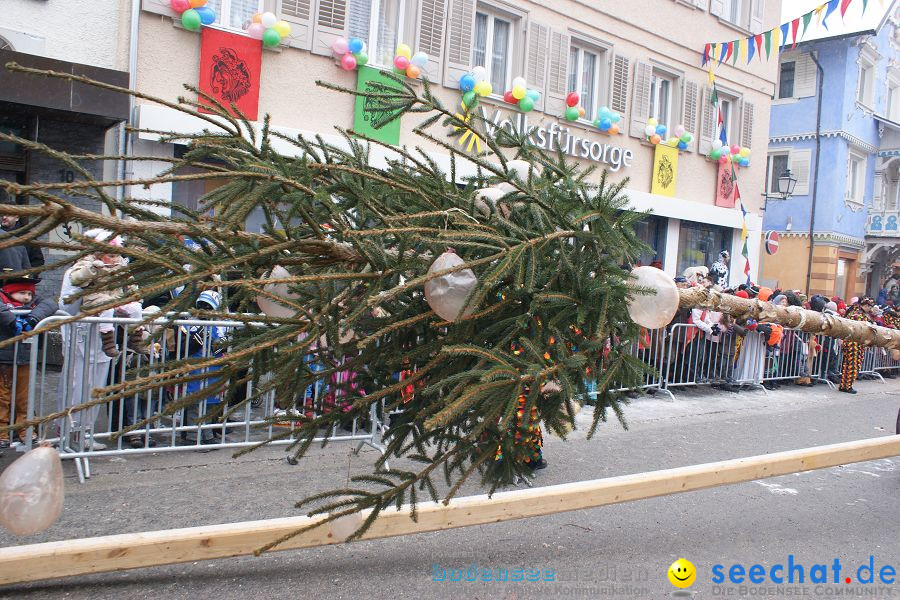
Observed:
{"x":271,"y":38}
{"x":469,"y":98}
{"x":715,"y":154}
{"x":361,"y":58}
{"x":190,"y":19}
{"x":571,"y":113}
{"x":526,"y":104}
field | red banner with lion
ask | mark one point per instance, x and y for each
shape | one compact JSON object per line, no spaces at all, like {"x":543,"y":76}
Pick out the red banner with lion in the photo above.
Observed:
{"x":230,"y":70}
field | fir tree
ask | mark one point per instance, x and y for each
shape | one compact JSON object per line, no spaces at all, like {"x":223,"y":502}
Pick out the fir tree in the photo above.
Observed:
{"x":548,"y":311}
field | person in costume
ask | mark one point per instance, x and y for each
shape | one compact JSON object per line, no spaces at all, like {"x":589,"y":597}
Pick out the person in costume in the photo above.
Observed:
{"x":853,"y":351}
{"x":719,"y":269}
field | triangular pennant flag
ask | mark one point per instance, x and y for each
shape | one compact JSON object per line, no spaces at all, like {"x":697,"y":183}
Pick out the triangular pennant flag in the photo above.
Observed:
{"x":776,"y":37}
{"x":730,"y":51}
{"x":865,"y":3}
{"x":742,"y":46}
{"x":758,"y":39}
{"x":737,"y":51}
{"x":844,"y":5}
{"x":806,"y":19}
{"x":829,"y":8}
{"x":724,"y":51}
{"x":723,"y":136}
{"x":768,"y":36}
{"x":795,"y":25}
{"x":751,"y":49}
{"x":714,"y":97}
{"x":705,"y":54}
{"x":784,"y":35}
{"x":712,"y":75}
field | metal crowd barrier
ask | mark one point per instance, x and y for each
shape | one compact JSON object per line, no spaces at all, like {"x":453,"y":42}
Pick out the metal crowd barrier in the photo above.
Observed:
{"x":84,"y":434}
{"x":883,"y":360}
{"x":650,"y":348}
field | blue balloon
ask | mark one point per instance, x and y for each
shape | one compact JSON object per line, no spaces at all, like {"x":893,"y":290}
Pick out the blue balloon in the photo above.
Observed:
{"x":207,"y":15}
{"x":605,"y":123}
{"x":605,"y":112}
{"x":661,"y":131}
{"x":682,"y":145}
{"x":533,"y":94}
{"x":616,"y":117}
{"x":745,"y":162}
{"x":355,"y":45}
{"x":467,"y":83}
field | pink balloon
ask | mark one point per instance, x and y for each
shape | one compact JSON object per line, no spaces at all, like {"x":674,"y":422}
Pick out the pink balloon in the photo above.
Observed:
{"x":723,"y":159}
{"x":180,"y":6}
{"x":340,"y":46}
{"x":735,"y":149}
{"x":401,"y":62}
{"x":256,"y":30}
{"x":348,"y":62}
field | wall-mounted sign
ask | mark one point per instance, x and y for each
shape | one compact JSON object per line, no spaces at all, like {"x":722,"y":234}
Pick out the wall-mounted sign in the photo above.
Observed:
{"x":368,"y":110}
{"x":725,"y":189}
{"x":665,"y":170}
{"x":554,"y":136}
{"x":229,"y":69}
{"x":772,"y":242}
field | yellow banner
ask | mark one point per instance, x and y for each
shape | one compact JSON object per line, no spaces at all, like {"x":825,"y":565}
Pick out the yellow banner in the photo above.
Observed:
{"x":665,"y":170}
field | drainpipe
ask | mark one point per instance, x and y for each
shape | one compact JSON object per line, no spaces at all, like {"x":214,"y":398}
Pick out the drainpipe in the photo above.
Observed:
{"x":812,"y":208}
{"x":125,"y":145}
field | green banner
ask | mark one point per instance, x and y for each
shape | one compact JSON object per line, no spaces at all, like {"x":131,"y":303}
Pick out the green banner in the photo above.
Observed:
{"x":368,"y":110}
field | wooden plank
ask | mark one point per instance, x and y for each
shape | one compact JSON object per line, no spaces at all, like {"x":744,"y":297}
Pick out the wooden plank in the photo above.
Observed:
{"x":134,"y":550}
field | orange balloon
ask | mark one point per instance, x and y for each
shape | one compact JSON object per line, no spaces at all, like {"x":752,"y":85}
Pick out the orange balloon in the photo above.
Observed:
{"x":198,"y":3}
{"x":257,"y":18}
{"x":614,"y":130}
{"x":413,"y":71}
{"x":655,"y":139}
{"x":580,"y":111}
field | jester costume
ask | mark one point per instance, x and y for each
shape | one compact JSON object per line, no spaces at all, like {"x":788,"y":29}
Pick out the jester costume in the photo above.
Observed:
{"x":853,"y":351}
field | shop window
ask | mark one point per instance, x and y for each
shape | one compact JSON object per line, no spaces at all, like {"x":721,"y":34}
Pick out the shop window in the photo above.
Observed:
{"x":786,"y":79}
{"x":699,"y":244}
{"x":652,"y":231}
{"x":235,"y":14}
{"x":493,"y":47}
{"x":840,"y":279}
{"x":856,"y":179}
{"x":584,"y":76}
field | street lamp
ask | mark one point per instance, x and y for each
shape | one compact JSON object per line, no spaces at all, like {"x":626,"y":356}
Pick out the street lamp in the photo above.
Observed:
{"x":786,"y":184}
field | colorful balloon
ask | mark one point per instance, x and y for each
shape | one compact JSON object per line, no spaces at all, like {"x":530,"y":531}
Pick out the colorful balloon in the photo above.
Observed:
{"x":679,"y":131}
{"x":361,"y":58}
{"x":745,"y":152}
{"x":270,"y":39}
{"x":467,"y":83}
{"x":661,"y":130}
{"x":283,"y":28}
{"x":686,"y":137}
{"x":605,"y":123}
{"x":257,"y":18}
{"x":581,"y":112}
{"x":735,"y":149}
{"x":682,"y":145}
{"x":652,"y":121}
{"x":179,"y":6}
{"x":518,"y":92}
{"x":723,"y":160}
{"x":401,"y":62}
{"x":404,"y":51}
{"x":717,"y":144}
{"x":207,"y":15}
{"x":479,"y":73}
{"x":614,"y":130}
{"x":354,"y":45}
{"x":469,"y":98}
{"x":572,"y":99}
{"x":655,"y":139}
{"x":509,"y":98}
{"x":672,"y":141}
{"x":256,"y":31}
{"x":348,"y":62}
{"x":420,"y":59}
{"x":519,"y":82}
{"x":268,"y":20}
{"x":616,"y":117}
{"x":483,"y":88}
{"x":571,"y":113}
{"x":649,"y":130}
{"x":526,"y":104}
{"x":413,"y":72}
{"x":715,"y":153}
{"x":191,"y":21}
{"x":533,"y":94}
{"x":604,"y":112}
{"x":197,"y":3}
{"x":340,"y":46}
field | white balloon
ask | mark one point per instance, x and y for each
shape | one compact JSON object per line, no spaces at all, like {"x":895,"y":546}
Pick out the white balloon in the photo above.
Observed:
{"x":654,"y":310}
{"x":447,"y":294}
{"x":268,"y":20}
{"x":31,"y":492}
{"x":717,"y":144}
{"x":520,"y":168}
{"x":479,"y":73}
{"x":506,"y":188}
{"x":487,"y":197}
{"x":650,"y":130}
{"x":519,"y":82}
{"x":420,"y":59}
{"x":271,"y":307}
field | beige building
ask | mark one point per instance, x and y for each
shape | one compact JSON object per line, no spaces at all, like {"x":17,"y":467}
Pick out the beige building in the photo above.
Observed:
{"x":639,"y":58}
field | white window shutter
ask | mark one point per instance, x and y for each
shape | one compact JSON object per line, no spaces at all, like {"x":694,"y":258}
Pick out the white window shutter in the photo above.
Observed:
{"x":430,"y":36}
{"x":557,"y":74}
{"x":757,"y":15}
{"x":717,"y":7}
{"x":536,"y":60}
{"x":689,"y":118}
{"x":707,"y":123}
{"x":619,"y":88}
{"x":330,"y":23}
{"x":747,"y":124}
{"x":799,"y":164}
{"x":460,"y":33}
{"x":805,"y":77}
{"x":299,"y":13}
{"x":640,"y":98}
{"x":702,"y":4}
{"x":160,"y":7}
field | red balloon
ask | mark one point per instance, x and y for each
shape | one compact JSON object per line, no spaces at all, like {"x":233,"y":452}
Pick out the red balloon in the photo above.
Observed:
{"x":180,"y":6}
{"x":401,"y":62}
{"x":572,"y":99}
{"x":509,"y":98}
{"x":348,"y":62}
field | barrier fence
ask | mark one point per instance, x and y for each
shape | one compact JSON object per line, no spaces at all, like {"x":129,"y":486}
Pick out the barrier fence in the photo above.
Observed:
{"x":681,"y":355}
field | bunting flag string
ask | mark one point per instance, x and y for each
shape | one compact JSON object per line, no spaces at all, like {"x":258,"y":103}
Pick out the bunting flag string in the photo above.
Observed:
{"x":742,"y":51}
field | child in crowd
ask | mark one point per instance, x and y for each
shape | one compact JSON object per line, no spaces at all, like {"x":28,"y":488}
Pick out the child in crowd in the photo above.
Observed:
{"x":86,"y":274}
{"x":202,"y":341}
{"x":17,"y":294}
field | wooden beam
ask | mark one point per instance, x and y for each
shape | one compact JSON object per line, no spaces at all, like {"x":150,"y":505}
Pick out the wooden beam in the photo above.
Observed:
{"x":134,"y":550}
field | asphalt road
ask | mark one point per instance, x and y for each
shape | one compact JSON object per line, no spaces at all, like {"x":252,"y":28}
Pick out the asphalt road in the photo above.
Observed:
{"x":846,"y":513}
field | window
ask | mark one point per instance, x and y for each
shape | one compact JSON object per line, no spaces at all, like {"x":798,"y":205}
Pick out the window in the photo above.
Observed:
{"x":778,"y":164}
{"x":235,"y":14}
{"x":699,"y":244}
{"x":584,"y":77}
{"x":892,"y":105}
{"x":856,"y":179}
{"x":786,"y":79}
{"x":737,"y":12}
{"x":865,"y":85}
{"x":661,"y":90}
{"x":493,"y":48}
{"x":840,"y":279}
{"x":652,"y":231}
{"x":726,"y":107}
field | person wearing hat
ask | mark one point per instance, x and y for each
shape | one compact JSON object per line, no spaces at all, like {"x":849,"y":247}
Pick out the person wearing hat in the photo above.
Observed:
{"x":17,"y":294}
{"x":11,"y":257}
{"x":719,"y":269}
{"x":202,"y":342}
{"x":853,"y":351}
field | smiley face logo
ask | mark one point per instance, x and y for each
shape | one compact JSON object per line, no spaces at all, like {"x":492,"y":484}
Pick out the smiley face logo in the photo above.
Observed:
{"x":682,"y":573}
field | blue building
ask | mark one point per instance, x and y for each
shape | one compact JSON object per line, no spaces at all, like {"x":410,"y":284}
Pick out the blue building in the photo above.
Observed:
{"x":855,"y":229}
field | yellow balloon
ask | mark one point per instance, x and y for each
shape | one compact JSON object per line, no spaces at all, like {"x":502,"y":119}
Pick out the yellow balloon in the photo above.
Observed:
{"x":404,"y":51}
{"x":283,"y":28}
{"x":652,"y":121}
{"x":745,"y":152}
{"x":518,"y":92}
{"x":487,"y":89}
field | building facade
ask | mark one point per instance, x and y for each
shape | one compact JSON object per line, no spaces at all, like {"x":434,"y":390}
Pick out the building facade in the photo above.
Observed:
{"x":853,"y":250}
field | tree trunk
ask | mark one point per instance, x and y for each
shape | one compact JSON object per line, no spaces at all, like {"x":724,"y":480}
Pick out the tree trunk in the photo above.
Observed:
{"x":792,"y":317}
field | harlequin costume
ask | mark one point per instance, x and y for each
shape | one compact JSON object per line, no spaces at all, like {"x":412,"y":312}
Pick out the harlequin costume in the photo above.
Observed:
{"x":853,"y":351}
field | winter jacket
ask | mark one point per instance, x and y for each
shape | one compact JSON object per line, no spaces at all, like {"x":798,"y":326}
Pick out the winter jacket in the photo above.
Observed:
{"x":41,"y":308}
{"x":86,"y":271}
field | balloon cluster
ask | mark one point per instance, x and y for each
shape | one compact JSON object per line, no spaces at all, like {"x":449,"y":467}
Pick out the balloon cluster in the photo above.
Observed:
{"x":266,"y":27}
{"x":194,"y":13}
{"x":607,"y":120}
{"x":408,"y":63}
{"x":475,"y":84}
{"x":656,"y":134}
{"x":352,"y":52}
{"x":735,"y":154}
{"x":521,"y":95}
{"x":573,"y":110}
